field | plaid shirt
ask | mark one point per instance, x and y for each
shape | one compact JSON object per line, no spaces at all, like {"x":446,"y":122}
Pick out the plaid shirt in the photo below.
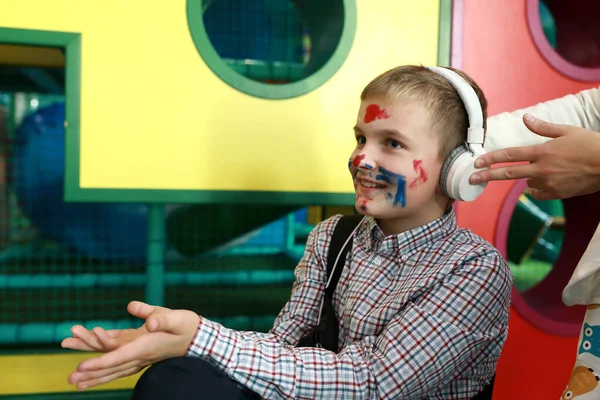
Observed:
{"x":423,"y":314}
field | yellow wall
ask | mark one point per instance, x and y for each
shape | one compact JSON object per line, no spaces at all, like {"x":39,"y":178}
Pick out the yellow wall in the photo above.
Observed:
{"x":48,"y":373}
{"x":154,"y":116}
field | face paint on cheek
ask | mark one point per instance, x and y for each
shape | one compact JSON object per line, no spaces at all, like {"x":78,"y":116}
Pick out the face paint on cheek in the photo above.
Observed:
{"x":368,"y":166}
{"x":363,"y":206}
{"x":373,"y":112}
{"x":421,"y":174}
{"x":358,"y":159}
{"x":394,"y":179}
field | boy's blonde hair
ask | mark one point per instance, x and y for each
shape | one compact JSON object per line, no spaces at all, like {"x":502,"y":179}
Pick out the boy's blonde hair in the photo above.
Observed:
{"x":447,"y":112}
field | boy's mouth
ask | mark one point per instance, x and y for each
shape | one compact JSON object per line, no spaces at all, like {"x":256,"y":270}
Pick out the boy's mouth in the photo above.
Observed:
{"x":370,"y":184}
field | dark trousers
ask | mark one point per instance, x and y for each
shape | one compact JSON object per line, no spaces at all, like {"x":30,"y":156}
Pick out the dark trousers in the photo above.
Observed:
{"x":186,"y":378}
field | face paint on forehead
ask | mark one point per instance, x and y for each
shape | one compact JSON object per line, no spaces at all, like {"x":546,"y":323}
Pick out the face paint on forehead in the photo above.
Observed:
{"x":421,"y":174}
{"x":394,"y":179}
{"x":373,"y":112}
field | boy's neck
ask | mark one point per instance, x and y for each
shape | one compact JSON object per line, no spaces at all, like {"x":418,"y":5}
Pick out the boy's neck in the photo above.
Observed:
{"x":395,"y":226}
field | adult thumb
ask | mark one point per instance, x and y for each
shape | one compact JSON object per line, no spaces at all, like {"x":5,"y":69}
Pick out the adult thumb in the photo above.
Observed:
{"x":543,"y":128}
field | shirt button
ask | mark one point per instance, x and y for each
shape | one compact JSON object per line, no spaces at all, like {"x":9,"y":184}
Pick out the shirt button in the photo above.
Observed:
{"x":377,"y":260}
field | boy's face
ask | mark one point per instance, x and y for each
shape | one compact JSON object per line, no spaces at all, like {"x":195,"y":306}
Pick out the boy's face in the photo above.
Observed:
{"x":395,"y":165}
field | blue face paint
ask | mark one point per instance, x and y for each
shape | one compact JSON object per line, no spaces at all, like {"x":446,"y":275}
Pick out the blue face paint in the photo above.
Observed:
{"x":368,"y":166}
{"x":389,"y":195}
{"x":394,"y":179}
{"x":349,"y":163}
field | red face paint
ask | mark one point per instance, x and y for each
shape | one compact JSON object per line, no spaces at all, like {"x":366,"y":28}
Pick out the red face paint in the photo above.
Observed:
{"x":364,"y":205}
{"x":373,"y":112}
{"x":358,"y":159}
{"x":421,"y":174}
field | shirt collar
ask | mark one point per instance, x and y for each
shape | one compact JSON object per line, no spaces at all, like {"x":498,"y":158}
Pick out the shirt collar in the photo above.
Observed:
{"x":408,"y":242}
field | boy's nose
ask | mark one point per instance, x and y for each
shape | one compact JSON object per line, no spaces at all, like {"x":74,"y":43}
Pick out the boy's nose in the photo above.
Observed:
{"x":363,"y":161}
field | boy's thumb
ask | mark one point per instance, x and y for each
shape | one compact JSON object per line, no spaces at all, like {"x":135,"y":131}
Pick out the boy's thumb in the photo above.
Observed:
{"x":543,"y":128}
{"x":158,"y":323}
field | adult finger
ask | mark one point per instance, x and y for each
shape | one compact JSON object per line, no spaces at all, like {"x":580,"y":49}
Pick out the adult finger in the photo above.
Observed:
{"x":511,"y":154}
{"x":509,"y":172}
{"x":544,"y":128}
{"x":542,"y":194}
{"x":109,"y":378}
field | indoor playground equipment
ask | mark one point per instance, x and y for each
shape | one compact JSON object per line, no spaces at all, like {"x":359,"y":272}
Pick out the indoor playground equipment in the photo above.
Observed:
{"x":548,"y":52}
{"x":204,"y":143}
{"x":116,"y":234}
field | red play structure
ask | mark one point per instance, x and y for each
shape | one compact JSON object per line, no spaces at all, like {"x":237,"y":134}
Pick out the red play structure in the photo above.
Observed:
{"x":503,"y":46}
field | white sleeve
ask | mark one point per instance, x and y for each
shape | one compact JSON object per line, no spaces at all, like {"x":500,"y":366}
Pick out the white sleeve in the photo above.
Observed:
{"x":507,"y":129}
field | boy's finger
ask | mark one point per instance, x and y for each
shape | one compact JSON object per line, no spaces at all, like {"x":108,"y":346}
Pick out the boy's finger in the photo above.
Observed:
{"x":86,"y":336}
{"x":165,"y":322}
{"x":107,"y":342}
{"x":143,"y":310}
{"x":139,"y":349}
{"x":76,"y":344}
{"x":78,"y":377}
{"x":108,"y":378}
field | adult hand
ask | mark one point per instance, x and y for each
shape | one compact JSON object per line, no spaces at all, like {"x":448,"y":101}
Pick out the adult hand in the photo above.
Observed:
{"x":165,"y":334}
{"x":566,"y":166}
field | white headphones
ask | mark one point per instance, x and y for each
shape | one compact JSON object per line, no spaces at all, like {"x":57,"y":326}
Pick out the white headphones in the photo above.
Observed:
{"x":460,"y":164}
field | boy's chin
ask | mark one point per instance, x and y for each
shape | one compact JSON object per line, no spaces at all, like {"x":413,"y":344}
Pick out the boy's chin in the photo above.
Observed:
{"x":378,"y":211}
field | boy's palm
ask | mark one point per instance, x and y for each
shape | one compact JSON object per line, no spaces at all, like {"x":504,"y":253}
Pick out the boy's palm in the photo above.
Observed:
{"x":166,"y":334}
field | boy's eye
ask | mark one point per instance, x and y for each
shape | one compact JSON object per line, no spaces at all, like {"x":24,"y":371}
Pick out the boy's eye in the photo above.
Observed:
{"x":394,"y":144}
{"x":361,"y":140}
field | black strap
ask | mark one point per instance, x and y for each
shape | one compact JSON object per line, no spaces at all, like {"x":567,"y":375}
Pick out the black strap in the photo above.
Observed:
{"x":487,"y":392}
{"x":342,"y":230}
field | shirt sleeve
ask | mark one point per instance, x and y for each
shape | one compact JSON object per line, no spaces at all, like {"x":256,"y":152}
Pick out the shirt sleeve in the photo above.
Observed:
{"x":437,"y":337}
{"x":507,"y":129}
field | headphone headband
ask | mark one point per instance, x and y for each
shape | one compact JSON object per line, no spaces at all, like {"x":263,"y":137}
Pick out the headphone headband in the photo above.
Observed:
{"x":460,"y":164}
{"x":470,"y":101}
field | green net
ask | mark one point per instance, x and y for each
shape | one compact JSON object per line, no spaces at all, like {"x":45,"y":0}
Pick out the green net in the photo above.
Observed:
{"x":67,"y":263}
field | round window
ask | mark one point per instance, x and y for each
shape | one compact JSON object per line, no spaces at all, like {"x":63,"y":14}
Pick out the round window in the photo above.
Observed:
{"x":273,"y":48}
{"x":543,"y":242}
{"x":568,"y":36}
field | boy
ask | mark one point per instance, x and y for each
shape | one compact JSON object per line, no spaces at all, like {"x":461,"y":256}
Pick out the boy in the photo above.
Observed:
{"x":422,"y":304}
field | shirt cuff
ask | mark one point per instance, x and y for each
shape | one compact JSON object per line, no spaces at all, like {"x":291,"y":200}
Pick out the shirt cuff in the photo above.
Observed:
{"x":215,"y":343}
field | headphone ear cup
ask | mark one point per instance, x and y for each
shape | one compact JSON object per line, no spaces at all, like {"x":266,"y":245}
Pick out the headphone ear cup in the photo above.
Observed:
{"x":456,"y":172}
{"x":446,"y":176}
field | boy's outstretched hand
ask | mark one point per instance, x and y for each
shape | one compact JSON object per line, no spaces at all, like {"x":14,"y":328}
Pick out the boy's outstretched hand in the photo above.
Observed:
{"x":165,"y":334}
